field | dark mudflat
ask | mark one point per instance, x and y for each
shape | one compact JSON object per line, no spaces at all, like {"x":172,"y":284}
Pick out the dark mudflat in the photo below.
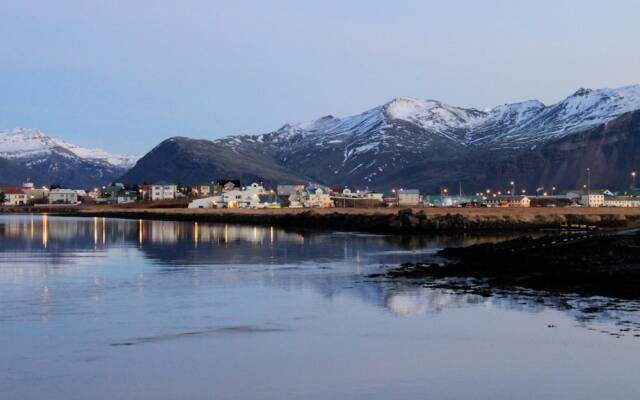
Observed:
{"x":607,"y":265}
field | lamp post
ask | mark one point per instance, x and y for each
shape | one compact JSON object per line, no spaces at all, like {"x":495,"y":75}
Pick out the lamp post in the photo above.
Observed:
{"x":589,"y":186}
{"x":513,"y":188}
{"x":633,"y":179}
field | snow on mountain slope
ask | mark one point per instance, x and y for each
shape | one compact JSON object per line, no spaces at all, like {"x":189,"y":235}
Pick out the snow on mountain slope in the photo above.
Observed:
{"x":24,"y":143}
{"x":508,"y":125}
{"x":432,"y":114}
{"x":406,"y":131}
{"x":584,"y":109}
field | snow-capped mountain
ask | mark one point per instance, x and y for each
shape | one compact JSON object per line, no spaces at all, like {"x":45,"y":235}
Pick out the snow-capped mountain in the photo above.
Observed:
{"x":29,"y":143}
{"x":47,"y":160}
{"x":505,"y":125}
{"x":427,"y":143}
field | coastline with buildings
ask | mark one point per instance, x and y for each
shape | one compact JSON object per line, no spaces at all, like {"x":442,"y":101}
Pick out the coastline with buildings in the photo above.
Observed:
{"x":302,"y":206}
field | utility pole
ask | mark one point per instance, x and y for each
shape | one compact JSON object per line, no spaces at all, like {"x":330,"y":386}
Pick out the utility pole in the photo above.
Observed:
{"x":588,"y":187}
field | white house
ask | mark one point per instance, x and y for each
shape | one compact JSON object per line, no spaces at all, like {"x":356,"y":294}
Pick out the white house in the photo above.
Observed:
{"x":317,"y":198}
{"x":408,"y":197}
{"x":208,"y":202}
{"x":14,"y":197}
{"x":163,"y":192}
{"x":248,"y":197}
{"x":592,"y":199}
{"x":63,"y":196}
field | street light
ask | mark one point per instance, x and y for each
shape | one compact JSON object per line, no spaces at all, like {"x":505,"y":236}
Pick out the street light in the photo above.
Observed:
{"x":588,"y":187}
{"x":513,"y":188}
{"x":633,"y":179}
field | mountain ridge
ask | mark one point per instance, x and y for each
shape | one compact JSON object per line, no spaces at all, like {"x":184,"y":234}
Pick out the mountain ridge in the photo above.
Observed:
{"x":37,"y":157}
{"x":384,"y":146}
{"x":405,"y":141}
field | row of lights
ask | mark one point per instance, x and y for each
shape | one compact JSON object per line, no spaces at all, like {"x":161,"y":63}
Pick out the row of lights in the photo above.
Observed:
{"x":488,"y":192}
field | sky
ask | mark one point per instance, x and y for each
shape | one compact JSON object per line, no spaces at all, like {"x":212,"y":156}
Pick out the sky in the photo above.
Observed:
{"x":125,"y":75}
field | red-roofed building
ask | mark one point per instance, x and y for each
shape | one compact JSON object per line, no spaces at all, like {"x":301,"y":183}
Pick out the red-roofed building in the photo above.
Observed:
{"x":14,"y":196}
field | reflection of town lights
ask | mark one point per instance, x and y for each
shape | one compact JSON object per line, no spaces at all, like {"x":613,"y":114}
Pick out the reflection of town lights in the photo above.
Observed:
{"x":45,"y":230}
{"x":140,"y":232}
{"x":95,"y":231}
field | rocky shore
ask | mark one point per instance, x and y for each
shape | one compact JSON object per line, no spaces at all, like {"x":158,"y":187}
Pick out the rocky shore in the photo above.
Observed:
{"x":587,"y":264}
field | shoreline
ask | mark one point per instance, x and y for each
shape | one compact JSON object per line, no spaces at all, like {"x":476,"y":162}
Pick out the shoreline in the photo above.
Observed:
{"x":587,"y":264}
{"x":376,"y":220}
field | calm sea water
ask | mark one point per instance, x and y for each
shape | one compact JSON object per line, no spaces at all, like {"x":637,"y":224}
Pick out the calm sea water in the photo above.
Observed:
{"x":115,"y":309}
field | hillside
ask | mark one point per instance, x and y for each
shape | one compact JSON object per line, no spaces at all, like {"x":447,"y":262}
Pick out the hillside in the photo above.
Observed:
{"x":427,"y":144}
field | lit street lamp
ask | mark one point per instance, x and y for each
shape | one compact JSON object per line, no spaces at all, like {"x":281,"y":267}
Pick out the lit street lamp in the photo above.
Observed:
{"x":633,"y":179}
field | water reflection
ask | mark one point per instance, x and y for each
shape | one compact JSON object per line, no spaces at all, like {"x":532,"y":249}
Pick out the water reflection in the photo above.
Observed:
{"x":296,"y":257}
{"x":233,"y":301}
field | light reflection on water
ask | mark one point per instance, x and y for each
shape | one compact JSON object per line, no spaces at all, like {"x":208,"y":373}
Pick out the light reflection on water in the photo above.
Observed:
{"x":100,"y":308}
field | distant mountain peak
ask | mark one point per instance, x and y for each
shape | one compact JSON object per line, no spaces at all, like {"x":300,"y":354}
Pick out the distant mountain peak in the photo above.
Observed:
{"x":582,"y":92}
{"x":30,"y":143}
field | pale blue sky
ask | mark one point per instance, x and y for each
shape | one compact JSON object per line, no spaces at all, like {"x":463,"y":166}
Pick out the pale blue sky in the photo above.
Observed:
{"x":123,"y":75}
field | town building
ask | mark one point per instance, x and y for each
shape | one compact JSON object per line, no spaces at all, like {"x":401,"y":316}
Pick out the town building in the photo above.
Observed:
{"x":288,"y":190}
{"x":247,"y":197}
{"x":356,"y":198}
{"x":14,"y":196}
{"x":621,"y":201}
{"x":269,"y":201}
{"x":112,"y":190}
{"x":159,"y":192}
{"x":126,"y":196}
{"x":311,"y":197}
{"x":316,"y":197}
{"x":63,"y":196}
{"x":408,"y":198}
{"x":508,"y":201}
{"x":452,"y":201}
{"x":201,"y":190}
{"x":34,"y":195}
{"x":592,"y":199}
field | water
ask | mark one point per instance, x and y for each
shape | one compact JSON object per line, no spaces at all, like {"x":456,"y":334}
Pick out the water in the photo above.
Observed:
{"x":115,"y":309}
